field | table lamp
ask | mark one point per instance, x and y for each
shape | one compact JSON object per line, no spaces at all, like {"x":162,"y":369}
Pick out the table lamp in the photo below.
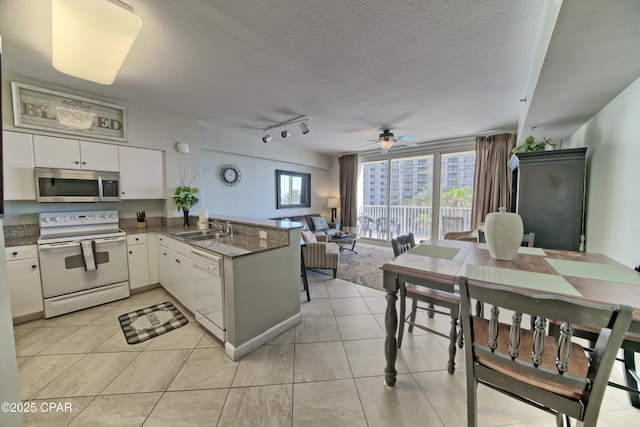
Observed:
{"x":333,"y":203}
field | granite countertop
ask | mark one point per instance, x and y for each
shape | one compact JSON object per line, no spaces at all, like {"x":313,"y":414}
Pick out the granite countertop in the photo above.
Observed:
{"x":230,"y":246}
{"x":20,"y":241}
{"x":241,"y":243}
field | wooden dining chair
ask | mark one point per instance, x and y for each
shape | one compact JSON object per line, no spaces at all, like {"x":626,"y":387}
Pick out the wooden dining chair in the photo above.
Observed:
{"x":445,"y":297}
{"x":551,"y":373}
{"x":528,"y":239}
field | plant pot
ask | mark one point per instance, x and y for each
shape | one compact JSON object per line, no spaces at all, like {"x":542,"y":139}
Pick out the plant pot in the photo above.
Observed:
{"x":186,"y":218}
{"x":503,"y":233}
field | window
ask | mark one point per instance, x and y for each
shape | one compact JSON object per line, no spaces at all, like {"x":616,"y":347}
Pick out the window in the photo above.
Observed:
{"x":293,"y":189}
{"x":399,"y":194}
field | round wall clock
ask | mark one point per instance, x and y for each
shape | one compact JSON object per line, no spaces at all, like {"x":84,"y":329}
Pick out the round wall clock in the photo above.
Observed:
{"x":230,"y":174}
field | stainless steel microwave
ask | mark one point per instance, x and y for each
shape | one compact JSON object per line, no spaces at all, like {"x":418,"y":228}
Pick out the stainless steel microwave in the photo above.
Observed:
{"x":69,"y":185}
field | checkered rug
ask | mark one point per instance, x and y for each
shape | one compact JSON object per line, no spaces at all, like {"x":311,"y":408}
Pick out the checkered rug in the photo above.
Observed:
{"x":146,"y":323}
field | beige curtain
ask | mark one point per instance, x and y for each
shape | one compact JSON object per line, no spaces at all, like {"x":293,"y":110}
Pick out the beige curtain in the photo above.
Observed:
{"x":348,"y":166}
{"x":492,"y":179}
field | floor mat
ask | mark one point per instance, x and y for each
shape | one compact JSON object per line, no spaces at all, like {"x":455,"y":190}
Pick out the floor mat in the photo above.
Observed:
{"x":146,"y":323}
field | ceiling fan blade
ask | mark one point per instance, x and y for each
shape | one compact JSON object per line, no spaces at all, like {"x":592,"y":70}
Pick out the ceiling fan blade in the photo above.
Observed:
{"x":407,"y":143}
{"x":404,"y":137}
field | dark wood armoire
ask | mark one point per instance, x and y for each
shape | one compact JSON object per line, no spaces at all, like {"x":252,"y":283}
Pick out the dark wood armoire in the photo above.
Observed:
{"x":549,"y":195}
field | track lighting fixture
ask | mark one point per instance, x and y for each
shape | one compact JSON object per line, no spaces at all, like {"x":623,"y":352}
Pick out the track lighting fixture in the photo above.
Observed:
{"x":304,"y":128}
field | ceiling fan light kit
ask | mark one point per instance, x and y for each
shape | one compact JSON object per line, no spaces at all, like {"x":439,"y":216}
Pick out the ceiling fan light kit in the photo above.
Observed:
{"x":304,"y":128}
{"x":387,"y":139}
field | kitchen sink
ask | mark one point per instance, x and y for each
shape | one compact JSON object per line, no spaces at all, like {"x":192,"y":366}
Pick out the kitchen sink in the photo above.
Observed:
{"x":200,"y":234}
{"x":210,"y":236}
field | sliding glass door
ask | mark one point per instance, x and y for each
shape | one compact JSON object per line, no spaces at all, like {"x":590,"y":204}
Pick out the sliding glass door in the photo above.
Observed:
{"x":396,"y":196}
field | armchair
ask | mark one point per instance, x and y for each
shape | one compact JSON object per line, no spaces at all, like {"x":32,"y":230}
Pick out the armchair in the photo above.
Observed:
{"x":318,"y":254}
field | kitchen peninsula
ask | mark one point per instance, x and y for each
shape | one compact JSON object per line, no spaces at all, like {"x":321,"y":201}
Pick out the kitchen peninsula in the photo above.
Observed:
{"x":260,"y":272}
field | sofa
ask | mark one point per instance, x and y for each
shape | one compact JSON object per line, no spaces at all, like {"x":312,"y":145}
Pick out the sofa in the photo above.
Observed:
{"x":323,"y":234}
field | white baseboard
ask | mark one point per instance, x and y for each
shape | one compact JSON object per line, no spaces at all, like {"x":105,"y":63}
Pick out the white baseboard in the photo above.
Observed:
{"x":247,"y":347}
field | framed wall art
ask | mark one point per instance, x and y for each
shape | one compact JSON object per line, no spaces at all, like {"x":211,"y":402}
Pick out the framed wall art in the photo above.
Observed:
{"x":49,"y":110}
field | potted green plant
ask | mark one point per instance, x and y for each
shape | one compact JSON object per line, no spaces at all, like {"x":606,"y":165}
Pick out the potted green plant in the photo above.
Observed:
{"x":531,"y":144}
{"x":185,"y":198}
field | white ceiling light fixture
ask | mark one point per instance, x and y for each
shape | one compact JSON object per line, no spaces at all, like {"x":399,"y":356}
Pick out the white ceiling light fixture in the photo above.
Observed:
{"x":91,"y":39}
{"x":304,"y":128}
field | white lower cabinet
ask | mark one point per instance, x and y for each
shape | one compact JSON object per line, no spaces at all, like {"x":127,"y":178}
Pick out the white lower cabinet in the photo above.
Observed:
{"x":152,"y":251}
{"x":23,"y":274}
{"x":138,"y":257}
{"x":176,"y":270}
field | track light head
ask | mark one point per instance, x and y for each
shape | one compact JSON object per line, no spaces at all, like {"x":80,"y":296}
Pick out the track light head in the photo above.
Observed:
{"x":304,"y":128}
{"x":266,"y":138}
{"x":285,"y":133}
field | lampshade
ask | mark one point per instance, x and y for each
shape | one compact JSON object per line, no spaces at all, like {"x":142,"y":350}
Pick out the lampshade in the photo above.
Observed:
{"x":333,"y":202}
{"x":91,"y":39}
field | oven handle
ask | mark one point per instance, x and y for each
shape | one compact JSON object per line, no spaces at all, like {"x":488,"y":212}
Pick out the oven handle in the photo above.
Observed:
{"x":77,"y":243}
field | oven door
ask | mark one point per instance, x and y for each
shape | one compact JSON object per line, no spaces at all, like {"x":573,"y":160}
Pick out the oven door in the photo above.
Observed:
{"x":63,"y":270}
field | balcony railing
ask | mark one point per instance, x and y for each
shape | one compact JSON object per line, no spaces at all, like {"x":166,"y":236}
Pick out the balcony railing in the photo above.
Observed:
{"x":410,"y":219}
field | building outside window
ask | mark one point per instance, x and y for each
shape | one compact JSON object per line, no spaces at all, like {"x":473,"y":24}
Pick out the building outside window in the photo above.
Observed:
{"x":408,"y":186}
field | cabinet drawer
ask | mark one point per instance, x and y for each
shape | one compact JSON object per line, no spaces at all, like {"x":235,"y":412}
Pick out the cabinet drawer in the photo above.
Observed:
{"x":176,"y":245}
{"x":136,"y":239}
{"x":15,"y":253}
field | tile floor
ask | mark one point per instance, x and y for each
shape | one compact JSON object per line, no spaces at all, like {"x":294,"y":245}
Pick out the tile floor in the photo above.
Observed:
{"x":328,"y":371}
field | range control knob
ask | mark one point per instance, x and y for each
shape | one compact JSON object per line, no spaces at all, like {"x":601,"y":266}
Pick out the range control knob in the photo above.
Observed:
{"x":46,"y":219}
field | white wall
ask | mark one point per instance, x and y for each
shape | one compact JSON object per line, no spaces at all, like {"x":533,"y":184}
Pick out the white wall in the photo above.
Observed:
{"x":613,"y":173}
{"x":255,"y":195}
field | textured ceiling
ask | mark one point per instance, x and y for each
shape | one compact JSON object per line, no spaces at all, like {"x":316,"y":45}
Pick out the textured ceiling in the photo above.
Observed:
{"x":435,"y":70}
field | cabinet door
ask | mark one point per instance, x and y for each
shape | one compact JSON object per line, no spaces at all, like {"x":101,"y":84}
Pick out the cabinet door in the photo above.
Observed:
{"x":141,"y":173}
{"x":99,"y":157}
{"x":138,"y":266}
{"x":17,"y":162}
{"x":168,"y":266}
{"x":152,"y":249}
{"x":23,"y":277}
{"x":184,"y":281}
{"x":58,"y":153}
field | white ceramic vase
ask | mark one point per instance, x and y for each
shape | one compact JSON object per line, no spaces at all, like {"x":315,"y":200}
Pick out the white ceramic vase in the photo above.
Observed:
{"x":503,"y":232}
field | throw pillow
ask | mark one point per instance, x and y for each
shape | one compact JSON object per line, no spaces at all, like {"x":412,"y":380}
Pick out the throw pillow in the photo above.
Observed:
{"x":319,"y":223}
{"x":308,"y":237}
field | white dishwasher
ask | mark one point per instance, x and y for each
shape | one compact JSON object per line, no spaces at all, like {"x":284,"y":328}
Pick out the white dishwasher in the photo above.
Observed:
{"x":208,"y":285}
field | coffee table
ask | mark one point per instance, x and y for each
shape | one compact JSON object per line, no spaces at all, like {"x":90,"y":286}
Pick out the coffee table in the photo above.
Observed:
{"x":345,"y":238}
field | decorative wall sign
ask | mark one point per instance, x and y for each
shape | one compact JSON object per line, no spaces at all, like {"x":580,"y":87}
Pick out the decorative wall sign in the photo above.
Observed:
{"x":44,"y":109}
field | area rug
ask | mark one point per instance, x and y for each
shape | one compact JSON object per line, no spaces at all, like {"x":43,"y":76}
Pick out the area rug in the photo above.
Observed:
{"x":146,"y":323}
{"x":363,"y":268}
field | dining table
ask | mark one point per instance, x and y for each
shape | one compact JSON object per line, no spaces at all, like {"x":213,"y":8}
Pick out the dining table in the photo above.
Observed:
{"x":585,"y":276}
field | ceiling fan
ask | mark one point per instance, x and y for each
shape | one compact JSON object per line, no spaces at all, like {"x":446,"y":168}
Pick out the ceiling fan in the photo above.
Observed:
{"x":387,"y":139}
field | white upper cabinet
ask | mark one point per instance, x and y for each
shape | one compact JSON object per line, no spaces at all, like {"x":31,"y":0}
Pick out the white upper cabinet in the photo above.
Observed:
{"x":17,"y":163}
{"x":99,"y":157}
{"x":63,"y":153}
{"x":141,"y":173}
